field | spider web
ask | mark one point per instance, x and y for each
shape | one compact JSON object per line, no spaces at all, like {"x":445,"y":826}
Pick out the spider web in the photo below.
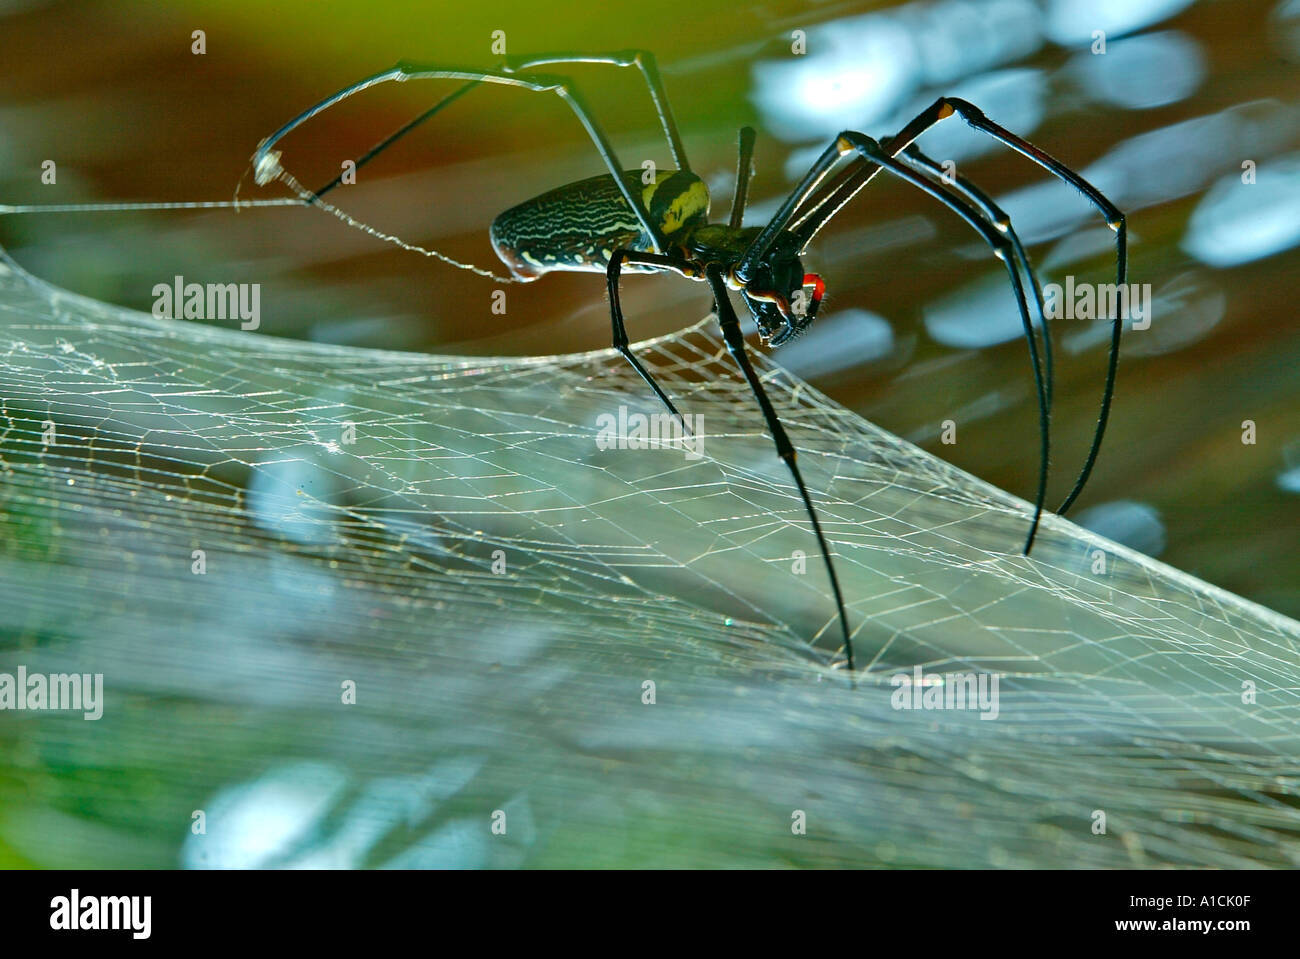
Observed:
{"x":332,"y":558}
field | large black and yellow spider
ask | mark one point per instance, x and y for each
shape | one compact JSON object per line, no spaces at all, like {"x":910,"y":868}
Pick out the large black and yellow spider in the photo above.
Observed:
{"x":616,"y":222}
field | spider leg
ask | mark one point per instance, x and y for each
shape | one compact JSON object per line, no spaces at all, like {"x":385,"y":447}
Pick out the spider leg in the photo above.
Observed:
{"x":621,"y":343}
{"x":397,"y":134}
{"x":999,"y":219}
{"x":1002,"y":248}
{"x":266,"y":164}
{"x":735,"y":341}
{"x":843,"y":190}
{"x":744,"y":169}
{"x":644,"y":61}
{"x":1114,"y":219}
{"x":806,"y":187}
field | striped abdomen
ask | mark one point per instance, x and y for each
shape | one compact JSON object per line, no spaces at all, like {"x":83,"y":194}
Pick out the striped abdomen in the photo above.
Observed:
{"x":579,"y":226}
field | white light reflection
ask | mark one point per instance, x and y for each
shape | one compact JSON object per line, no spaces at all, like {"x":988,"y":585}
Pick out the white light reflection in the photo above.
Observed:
{"x":960,"y":37}
{"x":838,"y":341}
{"x":856,"y":70}
{"x":859,"y":70}
{"x":1071,"y":22}
{"x":1286,"y":24}
{"x":1153,"y":167}
{"x":979,"y":314}
{"x":286,"y":496}
{"x":1289,"y":479}
{"x":1142,"y":72}
{"x":1136,"y":525}
{"x":251,"y":824}
{"x":1081,"y":245}
{"x":280,"y":820}
{"x":1184,"y":311}
{"x":1237,"y":222}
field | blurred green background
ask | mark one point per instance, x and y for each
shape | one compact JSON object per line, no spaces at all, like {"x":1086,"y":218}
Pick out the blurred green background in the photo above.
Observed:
{"x":915,"y":327}
{"x":113,"y":94}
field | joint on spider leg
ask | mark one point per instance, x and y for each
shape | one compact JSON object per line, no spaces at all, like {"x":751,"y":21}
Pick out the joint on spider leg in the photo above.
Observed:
{"x":266,"y":165}
{"x":561,"y":90}
{"x":997,"y":216}
{"x":969,"y":111}
{"x":850,"y":142}
{"x":871,"y":148}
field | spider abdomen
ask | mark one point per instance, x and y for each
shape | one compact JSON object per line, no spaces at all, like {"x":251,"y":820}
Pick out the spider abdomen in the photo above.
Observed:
{"x":579,"y":226}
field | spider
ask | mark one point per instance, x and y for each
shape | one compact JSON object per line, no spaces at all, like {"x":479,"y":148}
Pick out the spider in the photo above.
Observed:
{"x":616,"y":223}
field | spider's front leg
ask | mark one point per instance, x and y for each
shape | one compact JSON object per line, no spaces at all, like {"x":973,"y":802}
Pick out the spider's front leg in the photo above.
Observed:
{"x":1115,"y":219}
{"x":998,"y":218}
{"x":816,"y":213}
{"x":998,"y":239}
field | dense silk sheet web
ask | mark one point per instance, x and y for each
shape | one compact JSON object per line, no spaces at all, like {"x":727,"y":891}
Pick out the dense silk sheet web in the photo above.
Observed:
{"x":447,"y":534}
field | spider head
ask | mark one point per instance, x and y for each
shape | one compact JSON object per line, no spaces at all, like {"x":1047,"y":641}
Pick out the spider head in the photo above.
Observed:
{"x":777,"y":295}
